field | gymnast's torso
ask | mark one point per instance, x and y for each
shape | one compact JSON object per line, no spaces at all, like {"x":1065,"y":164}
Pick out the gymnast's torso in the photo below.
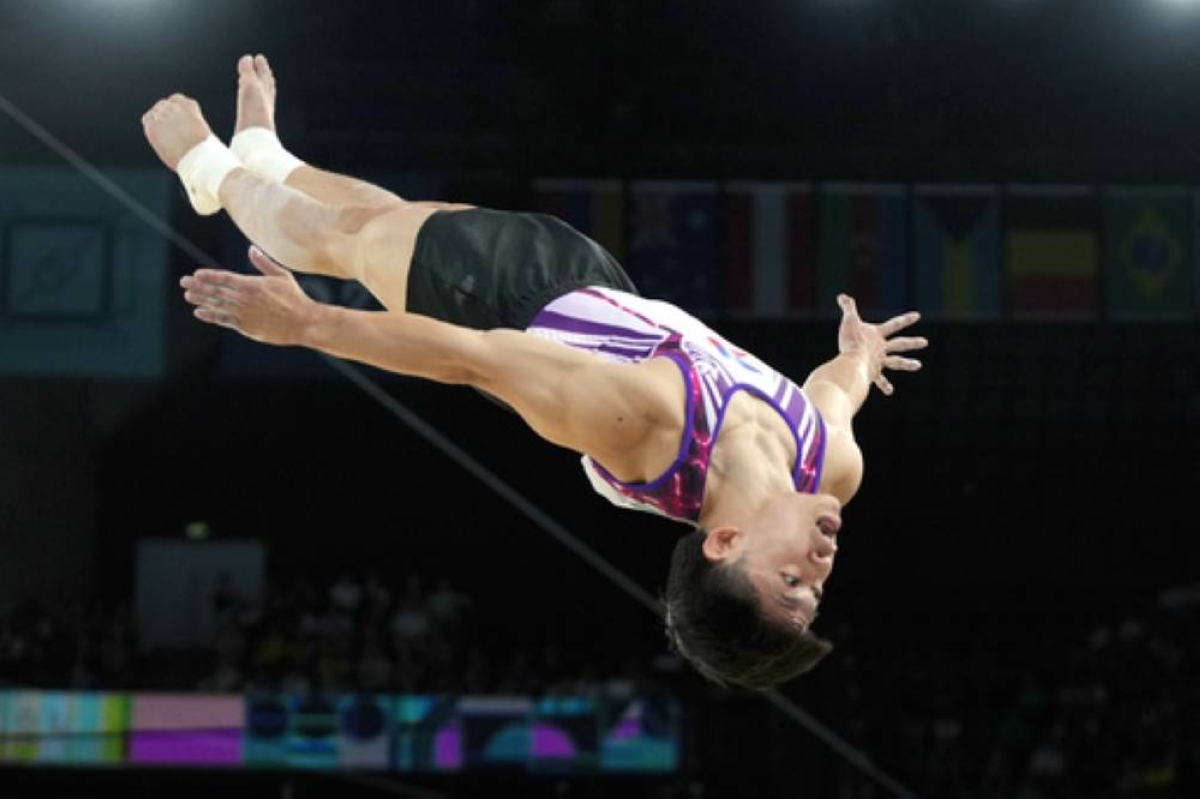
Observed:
{"x":726,"y":388}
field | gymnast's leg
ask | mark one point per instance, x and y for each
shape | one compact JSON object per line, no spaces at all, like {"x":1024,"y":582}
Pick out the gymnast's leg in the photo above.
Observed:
{"x":353,"y":242}
{"x":256,"y":109}
{"x":373,"y":230}
{"x":351,"y":231}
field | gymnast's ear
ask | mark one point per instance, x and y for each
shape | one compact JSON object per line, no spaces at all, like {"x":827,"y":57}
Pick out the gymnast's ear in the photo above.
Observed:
{"x":721,"y":544}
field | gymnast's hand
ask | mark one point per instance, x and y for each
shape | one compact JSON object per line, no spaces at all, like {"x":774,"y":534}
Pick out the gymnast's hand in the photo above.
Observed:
{"x":876,"y":342}
{"x":173,"y":127}
{"x":270,"y":308}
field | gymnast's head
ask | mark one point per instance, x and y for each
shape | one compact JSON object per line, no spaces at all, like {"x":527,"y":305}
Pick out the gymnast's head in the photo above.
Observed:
{"x":741,"y":600}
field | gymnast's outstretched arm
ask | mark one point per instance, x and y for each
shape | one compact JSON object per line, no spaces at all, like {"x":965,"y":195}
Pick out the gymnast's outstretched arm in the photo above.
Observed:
{"x":611,"y":411}
{"x":839,"y":387}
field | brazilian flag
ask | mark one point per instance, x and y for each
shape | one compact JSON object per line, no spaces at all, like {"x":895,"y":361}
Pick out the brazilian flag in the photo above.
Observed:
{"x":1148,"y":254}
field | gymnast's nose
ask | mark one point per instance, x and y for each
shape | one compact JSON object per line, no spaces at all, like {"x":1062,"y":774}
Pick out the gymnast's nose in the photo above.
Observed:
{"x":824,"y":547}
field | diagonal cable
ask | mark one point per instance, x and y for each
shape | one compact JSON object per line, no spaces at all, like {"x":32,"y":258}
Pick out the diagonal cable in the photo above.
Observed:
{"x":548,"y":524}
{"x":106,"y":183}
{"x":488,"y":478}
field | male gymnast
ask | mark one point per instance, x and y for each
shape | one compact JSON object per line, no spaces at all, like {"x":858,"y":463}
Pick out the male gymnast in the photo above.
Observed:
{"x":667,"y":415}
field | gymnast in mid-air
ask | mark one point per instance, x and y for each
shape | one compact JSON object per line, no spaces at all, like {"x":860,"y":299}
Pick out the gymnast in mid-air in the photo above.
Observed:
{"x":667,"y":415}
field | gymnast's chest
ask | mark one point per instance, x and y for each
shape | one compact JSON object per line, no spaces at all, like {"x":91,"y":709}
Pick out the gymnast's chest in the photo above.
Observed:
{"x":751,"y":426}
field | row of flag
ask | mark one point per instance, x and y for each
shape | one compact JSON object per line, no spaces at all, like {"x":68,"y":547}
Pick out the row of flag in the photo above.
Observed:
{"x":969,"y":252}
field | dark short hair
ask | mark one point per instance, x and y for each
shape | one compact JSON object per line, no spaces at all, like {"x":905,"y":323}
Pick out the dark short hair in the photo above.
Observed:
{"x":714,"y":619}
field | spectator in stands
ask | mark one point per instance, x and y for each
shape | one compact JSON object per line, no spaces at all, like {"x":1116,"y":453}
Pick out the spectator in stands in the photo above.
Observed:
{"x":345,"y":594}
{"x":374,"y":667}
{"x":410,"y":619}
{"x":377,"y":599}
{"x":226,"y":600}
{"x":447,"y":605}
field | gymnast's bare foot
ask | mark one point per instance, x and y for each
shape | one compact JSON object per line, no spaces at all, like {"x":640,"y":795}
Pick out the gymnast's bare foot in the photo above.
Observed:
{"x":256,"y":94}
{"x":173,"y":126}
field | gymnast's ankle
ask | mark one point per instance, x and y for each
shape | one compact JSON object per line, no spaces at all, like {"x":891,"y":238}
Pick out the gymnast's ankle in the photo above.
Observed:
{"x":202,"y":170}
{"x":261,"y":151}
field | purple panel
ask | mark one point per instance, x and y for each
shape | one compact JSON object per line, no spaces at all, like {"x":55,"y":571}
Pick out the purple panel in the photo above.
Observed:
{"x":447,"y":747}
{"x":549,"y":741}
{"x":215,"y":747}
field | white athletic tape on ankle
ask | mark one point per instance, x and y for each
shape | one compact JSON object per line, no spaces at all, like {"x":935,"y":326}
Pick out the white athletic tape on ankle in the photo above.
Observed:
{"x":202,"y":169}
{"x":263,"y":154}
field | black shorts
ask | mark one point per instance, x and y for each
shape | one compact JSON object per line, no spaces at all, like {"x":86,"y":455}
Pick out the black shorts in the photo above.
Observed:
{"x":485,"y":269}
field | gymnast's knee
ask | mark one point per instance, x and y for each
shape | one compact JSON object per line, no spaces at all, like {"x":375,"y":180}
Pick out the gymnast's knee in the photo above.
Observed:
{"x":355,"y":236}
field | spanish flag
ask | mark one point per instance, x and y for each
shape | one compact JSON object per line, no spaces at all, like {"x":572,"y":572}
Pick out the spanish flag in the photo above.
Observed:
{"x":1052,"y":251}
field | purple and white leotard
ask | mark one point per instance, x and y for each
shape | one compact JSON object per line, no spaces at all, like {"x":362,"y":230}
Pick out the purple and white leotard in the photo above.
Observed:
{"x":627,"y":328}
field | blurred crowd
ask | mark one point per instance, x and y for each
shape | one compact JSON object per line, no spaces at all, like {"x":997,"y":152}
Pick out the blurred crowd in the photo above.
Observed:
{"x":83,"y":646}
{"x":356,"y":632}
{"x":347,"y":633}
{"x":1114,"y":714}
{"x":1118,"y":715}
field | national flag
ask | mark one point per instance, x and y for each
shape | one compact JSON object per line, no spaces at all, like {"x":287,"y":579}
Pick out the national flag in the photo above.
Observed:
{"x":957,"y":251}
{"x":595,"y":208}
{"x":770,"y":249}
{"x":865,"y":242}
{"x":1052,"y":251}
{"x":1148,"y":254}
{"x":674,"y":243}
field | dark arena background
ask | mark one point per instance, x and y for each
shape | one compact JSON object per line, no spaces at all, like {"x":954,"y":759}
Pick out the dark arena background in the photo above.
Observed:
{"x":227,"y":567}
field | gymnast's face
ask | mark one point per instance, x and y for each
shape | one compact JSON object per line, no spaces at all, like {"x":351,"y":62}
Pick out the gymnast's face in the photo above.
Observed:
{"x":787,"y":550}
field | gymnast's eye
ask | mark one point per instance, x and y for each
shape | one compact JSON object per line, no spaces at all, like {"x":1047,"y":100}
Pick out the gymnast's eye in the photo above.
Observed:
{"x":791,"y":581}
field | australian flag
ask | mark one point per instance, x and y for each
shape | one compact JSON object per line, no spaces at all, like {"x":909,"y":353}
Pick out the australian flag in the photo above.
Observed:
{"x":674,"y":246}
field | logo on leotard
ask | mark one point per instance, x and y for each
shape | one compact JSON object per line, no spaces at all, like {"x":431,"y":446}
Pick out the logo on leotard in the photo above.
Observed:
{"x":735,"y":354}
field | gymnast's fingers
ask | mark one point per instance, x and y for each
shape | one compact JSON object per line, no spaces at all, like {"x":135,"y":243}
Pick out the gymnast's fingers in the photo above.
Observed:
{"x":898,"y":323}
{"x":901,"y":364}
{"x":220,"y":277}
{"x":215,"y":317}
{"x":907,"y":343}
{"x":211,"y":296}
